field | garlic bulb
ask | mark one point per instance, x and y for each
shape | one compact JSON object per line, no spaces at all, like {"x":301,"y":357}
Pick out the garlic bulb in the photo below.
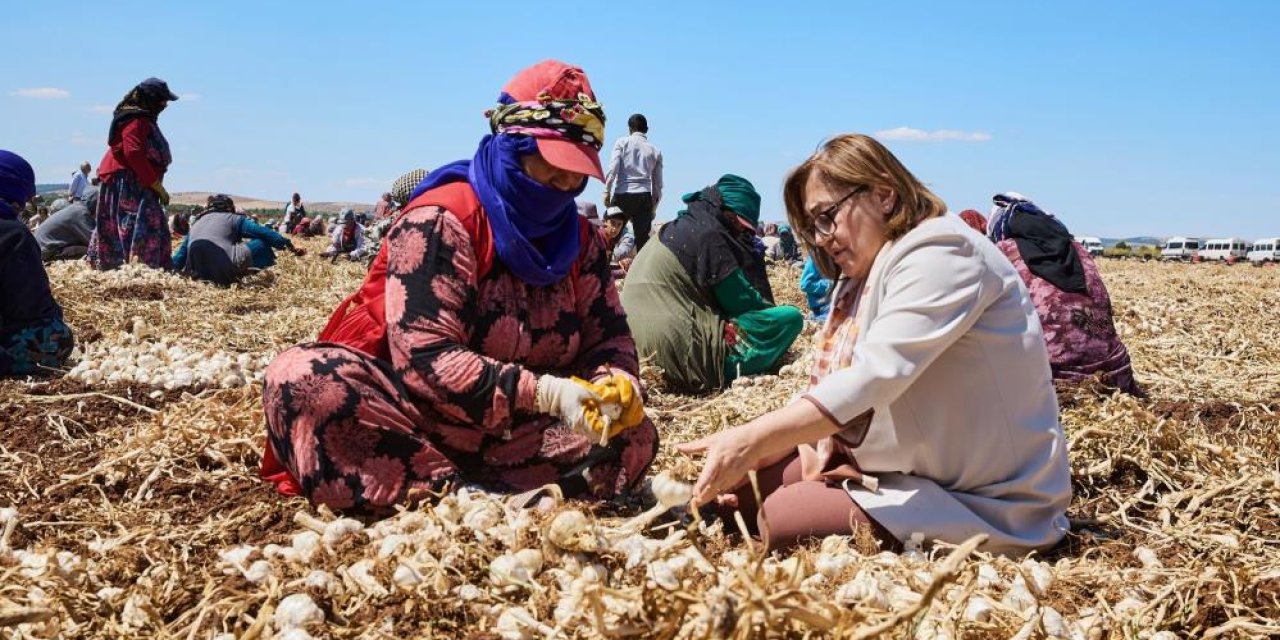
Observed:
{"x":978,"y":609}
{"x":323,"y":582}
{"x":1039,"y":575}
{"x":359,"y":574}
{"x":297,"y":610}
{"x":516,"y":623}
{"x":670,"y":493}
{"x":572,"y":531}
{"x":306,"y":544}
{"x":340,"y":529}
{"x":1019,"y":597}
{"x":515,"y":569}
{"x":259,"y":571}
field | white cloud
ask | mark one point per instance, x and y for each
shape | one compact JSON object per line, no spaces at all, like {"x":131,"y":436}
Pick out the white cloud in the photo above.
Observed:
{"x":100,"y":108}
{"x":41,"y":93}
{"x":920,"y":135}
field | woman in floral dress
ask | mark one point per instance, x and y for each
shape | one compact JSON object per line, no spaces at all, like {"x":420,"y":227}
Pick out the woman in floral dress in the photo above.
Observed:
{"x":130,"y":215}
{"x":1070,"y":297}
{"x":492,"y":304}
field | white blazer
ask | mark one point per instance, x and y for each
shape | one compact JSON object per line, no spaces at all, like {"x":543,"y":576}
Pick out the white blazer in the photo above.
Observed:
{"x":950,"y":355}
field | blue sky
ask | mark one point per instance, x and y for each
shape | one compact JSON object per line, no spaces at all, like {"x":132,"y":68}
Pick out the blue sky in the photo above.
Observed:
{"x":1121,"y":118}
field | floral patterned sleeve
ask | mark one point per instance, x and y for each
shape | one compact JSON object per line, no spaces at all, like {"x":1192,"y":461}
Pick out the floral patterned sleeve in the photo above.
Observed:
{"x":607,"y":345}
{"x":431,"y":286}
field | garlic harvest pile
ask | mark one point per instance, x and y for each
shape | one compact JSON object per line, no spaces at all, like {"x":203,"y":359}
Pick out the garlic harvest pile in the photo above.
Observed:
{"x":526,"y":574}
{"x":138,"y":357}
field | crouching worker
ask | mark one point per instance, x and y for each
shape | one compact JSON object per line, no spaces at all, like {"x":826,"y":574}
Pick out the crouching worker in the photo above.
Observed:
{"x":932,"y":409}
{"x":486,"y":340}
{"x":224,"y":246}
{"x":699,"y":299}
{"x":33,"y":336}
{"x":1068,"y":291}
{"x":347,"y":239}
{"x":65,"y":235}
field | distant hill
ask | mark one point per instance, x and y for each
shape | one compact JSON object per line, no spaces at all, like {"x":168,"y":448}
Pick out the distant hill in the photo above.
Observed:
{"x":201,"y":197}
{"x":52,"y":188}
{"x":1134,"y":241}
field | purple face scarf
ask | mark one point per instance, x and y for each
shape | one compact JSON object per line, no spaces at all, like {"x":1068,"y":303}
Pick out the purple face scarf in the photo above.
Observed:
{"x":535,"y":227}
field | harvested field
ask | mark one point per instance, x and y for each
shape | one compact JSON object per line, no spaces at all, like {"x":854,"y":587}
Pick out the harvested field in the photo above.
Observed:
{"x":132,"y":508}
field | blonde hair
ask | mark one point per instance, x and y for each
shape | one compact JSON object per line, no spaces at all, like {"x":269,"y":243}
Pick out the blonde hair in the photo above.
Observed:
{"x":852,"y":160}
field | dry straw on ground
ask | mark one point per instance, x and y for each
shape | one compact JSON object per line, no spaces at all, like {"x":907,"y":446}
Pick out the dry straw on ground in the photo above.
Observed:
{"x":128,"y":510}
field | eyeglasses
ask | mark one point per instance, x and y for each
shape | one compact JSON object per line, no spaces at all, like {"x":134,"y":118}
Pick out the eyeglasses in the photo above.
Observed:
{"x":825,"y":222}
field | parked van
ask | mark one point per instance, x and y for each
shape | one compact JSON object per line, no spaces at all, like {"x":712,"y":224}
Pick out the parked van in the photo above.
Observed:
{"x":1224,"y":248}
{"x":1265,"y":250}
{"x":1180,"y":248}
{"x":1091,"y":244}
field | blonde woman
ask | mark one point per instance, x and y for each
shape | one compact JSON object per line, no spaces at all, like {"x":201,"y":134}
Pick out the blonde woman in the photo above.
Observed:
{"x":931,"y":408}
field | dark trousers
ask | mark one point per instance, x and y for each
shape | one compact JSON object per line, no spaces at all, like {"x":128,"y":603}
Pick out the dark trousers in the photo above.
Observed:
{"x":639,"y":208}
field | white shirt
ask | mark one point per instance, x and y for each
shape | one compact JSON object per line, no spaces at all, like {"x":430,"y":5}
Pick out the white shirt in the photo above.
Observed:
{"x":79,"y":182}
{"x":635,"y":166}
{"x":951,"y":356}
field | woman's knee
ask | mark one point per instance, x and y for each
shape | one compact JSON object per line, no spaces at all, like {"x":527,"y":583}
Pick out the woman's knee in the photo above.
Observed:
{"x":806,"y":510}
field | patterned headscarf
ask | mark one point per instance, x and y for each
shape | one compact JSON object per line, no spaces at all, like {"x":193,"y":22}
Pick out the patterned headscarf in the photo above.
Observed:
{"x":580,"y":121}
{"x":975,"y":220}
{"x":405,"y":184}
{"x":1002,"y":208}
{"x":146,"y":100}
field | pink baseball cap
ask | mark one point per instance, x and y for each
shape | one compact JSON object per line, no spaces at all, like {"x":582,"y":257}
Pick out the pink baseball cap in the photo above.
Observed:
{"x":555,"y":80}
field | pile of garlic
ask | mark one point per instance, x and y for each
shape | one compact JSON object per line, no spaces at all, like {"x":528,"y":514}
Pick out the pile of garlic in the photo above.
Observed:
{"x":142,"y":358}
{"x":131,"y":274}
{"x":540,"y":574}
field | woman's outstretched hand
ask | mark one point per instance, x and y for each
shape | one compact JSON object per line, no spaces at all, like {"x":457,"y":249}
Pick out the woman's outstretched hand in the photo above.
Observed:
{"x":728,"y":456}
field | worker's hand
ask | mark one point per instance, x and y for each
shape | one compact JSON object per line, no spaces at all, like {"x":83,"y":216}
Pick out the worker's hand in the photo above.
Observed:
{"x":298,"y":251}
{"x":567,"y":399}
{"x":620,"y":400}
{"x":160,"y":191}
{"x":354,"y":255}
{"x":625,"y":264}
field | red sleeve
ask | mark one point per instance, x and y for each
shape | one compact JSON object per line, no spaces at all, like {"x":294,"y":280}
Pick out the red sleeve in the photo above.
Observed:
{"x":133,"y":144}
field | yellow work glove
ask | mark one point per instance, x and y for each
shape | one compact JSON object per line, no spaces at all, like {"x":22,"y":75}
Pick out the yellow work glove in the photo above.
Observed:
{"x":160,"y":191}
{"x":618,"y":401}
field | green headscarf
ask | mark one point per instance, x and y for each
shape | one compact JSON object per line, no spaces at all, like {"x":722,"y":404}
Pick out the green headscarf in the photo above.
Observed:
{"x":738,"y":194}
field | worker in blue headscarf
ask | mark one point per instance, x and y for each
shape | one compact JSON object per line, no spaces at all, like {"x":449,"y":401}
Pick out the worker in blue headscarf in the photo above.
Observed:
{"x":33,"y":337}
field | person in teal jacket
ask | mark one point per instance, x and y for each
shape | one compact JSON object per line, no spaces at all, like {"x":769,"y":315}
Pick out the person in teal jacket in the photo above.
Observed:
{"x":223,"y":245}
{"x":817,"y":290}
{"x":699,"y":302}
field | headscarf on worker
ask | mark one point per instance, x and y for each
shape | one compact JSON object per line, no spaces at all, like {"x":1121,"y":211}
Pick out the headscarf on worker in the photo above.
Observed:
{"x":33,"y":337}
{"x":1043,"y":241}
{"x":699,"y":299}
{"x":711,"y":245}
{"x":975,"y":220}
{"x":535,"y":226}
{"x":146,"y":100}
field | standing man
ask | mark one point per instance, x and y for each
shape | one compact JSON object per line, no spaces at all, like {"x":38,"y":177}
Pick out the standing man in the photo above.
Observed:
{"x":80,"y":182}
{"x":634,"y":182}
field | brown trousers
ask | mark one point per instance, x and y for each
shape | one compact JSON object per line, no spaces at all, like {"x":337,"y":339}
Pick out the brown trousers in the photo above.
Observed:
{"x":798,"y":510}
